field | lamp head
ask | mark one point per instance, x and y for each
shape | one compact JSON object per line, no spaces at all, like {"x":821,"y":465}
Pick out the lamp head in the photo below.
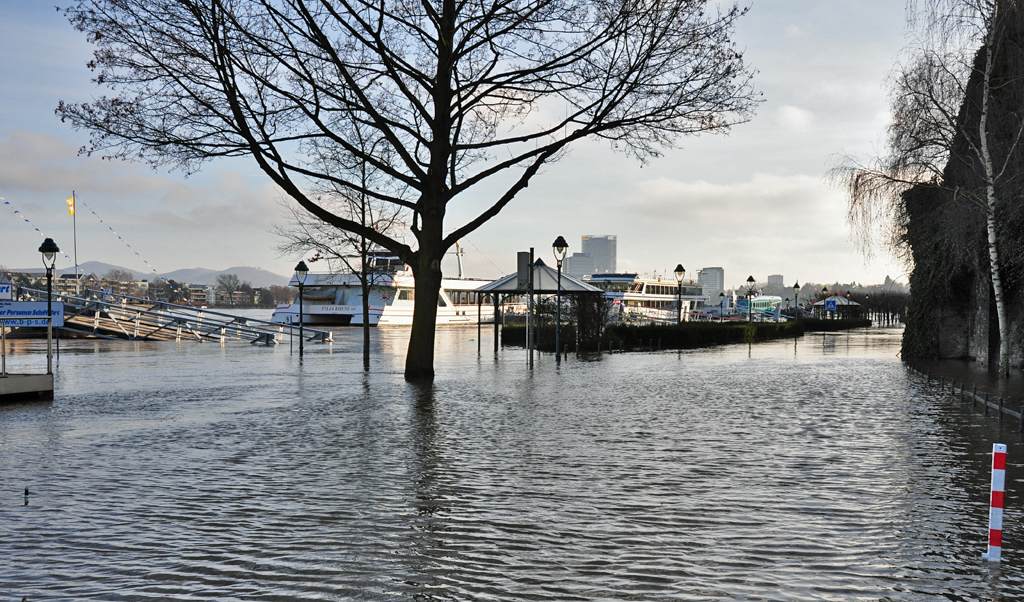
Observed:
{"x":796,"y":286}
{"x":49,"y":249}
{"x":679,"y":271}
{"x":560,"y":247}
{"x":301,"y":270}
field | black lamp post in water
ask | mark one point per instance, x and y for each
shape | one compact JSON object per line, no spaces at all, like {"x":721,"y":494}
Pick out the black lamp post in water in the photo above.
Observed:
{"x":49,"y":250}
{"x":721,"y":310}
{"x":300,"y":274}
{"x":559,"y":247}
{"x":796,"y":302}
{"x":750,"y":299}
{"x":680,"y":270}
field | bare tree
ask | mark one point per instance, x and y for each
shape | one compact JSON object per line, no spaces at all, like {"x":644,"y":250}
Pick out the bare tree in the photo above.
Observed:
{"x":227,"y":284}
{"x":943,"y":122}
{"x":279,"y":294}
{"x":342,"y":250}
{"x":119,"y":275}
{"x":456,"y":93}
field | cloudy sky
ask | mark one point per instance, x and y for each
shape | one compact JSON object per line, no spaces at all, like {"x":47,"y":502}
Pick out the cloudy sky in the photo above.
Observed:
{"x":753,"y":202}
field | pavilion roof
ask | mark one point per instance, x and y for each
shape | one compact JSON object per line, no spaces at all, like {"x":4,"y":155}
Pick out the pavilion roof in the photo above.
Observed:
{"x":545,"y":282}
{"x":840,"y":300}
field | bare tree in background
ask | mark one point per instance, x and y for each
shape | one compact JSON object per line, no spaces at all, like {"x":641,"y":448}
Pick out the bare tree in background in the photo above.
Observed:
{"x":933,"y":94}
{"x":460,"y":95}
{"x":344,"y":251}
{"x":119,"y":275}
{"x":227,"y":284}
{"x":308,"y":233}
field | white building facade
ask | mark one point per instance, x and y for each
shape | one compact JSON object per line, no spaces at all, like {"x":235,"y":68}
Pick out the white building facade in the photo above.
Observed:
{"x":713,"y":281}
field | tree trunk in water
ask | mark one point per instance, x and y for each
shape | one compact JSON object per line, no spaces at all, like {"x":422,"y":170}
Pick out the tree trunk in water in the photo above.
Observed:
{"x":419,"y":362}
{"x":997,"y":290}
{"x":990,"y":214}
{"x":365,"y":282}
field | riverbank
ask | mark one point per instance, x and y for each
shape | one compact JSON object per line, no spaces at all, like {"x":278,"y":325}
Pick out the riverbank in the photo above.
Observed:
{"x":688,"y":335}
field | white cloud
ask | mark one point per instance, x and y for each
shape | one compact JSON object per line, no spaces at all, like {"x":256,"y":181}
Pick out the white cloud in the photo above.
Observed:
{"x":793,"y":31}
{"x":794,"y":118}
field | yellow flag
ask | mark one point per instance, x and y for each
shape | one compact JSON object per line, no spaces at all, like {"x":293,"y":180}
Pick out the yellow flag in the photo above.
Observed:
{"x":71,"y":206}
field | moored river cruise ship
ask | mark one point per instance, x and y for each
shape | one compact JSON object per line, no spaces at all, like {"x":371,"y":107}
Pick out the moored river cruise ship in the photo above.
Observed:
{"x":649,"y":299}
{"x":337,"y":300}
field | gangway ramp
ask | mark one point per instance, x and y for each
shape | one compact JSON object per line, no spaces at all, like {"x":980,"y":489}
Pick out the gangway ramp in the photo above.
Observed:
{"x":114,"y":316}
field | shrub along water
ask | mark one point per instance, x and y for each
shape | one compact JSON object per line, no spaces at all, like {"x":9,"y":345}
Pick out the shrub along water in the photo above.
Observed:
{"x":689,"y":335}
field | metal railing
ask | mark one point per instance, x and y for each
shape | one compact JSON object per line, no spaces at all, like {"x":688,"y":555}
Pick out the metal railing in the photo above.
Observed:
{"x":7,"y":322}
{"x":118,"y":316}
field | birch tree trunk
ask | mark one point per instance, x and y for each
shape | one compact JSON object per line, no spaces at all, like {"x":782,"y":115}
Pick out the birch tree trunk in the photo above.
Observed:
{"x":990,"y":209}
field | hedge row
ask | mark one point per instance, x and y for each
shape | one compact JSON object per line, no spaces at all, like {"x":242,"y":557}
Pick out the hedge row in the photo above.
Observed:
{"x":689,"y":335}
{"x":818,"y":325}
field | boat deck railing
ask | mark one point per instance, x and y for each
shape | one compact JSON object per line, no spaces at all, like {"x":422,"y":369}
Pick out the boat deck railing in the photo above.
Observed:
{"x":118,"y":316}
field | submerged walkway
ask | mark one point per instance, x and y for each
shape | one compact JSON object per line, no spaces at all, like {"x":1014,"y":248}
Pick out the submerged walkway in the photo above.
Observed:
{"x":108,"y":316}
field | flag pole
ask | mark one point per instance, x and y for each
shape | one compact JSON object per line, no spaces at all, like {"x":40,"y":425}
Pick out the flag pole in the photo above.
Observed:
{"x":74,"y":227}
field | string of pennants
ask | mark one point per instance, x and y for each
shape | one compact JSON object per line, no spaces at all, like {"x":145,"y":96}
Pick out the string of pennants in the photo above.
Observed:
{"x":71,"y":209}
{"x":78,"y":199}
{"x":29,"y":222}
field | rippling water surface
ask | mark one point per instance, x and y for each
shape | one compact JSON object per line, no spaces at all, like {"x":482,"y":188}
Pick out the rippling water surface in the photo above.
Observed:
{"x":821,"y":470}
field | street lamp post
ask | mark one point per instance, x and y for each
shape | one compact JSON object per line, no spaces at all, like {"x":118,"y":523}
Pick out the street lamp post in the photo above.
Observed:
{"x":49,"y":250}
{"x":559,"y":247}
{"x":750,"y":299}
{"x":300,"y":274}
{"x":721,"y":311}
{"x":680,"y":270}
{"x":796,"y":301}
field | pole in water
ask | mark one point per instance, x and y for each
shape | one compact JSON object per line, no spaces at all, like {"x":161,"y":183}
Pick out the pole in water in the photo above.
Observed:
{"x":995,"y":511}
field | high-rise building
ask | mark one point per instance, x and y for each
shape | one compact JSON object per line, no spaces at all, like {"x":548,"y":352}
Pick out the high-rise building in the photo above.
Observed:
{"x":775,"y":280}
{"x":603,"y":251}
{"x":579,"y":265}
{"x":712,"y":279}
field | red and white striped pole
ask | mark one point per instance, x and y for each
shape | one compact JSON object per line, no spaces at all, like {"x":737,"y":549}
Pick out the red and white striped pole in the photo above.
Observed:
{"x":995,"y":511}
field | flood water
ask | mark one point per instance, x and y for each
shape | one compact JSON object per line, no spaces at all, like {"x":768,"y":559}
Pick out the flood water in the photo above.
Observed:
{"x":815,"y":470}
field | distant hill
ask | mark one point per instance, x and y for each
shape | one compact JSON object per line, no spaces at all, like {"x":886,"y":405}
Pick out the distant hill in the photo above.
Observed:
{"x":258,"y":277}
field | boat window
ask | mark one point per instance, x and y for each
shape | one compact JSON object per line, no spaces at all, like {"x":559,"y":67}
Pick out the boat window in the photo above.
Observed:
{"x":406,"y":294}
{"x":440,"y":298}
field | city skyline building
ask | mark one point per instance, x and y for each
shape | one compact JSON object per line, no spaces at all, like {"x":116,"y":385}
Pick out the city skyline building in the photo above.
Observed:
{"x":579,"y":265}
{"x":712,"y":279}
{"x":603,"y":251}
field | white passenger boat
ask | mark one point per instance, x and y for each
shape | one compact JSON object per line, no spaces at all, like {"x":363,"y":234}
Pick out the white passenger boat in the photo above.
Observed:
{"x":336,"y":299}
{"x":760,"y":307}
{"x":649,"y":299}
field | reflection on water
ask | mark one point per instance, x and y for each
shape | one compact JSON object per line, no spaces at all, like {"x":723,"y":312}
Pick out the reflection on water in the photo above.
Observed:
{"x":817,"y":469}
